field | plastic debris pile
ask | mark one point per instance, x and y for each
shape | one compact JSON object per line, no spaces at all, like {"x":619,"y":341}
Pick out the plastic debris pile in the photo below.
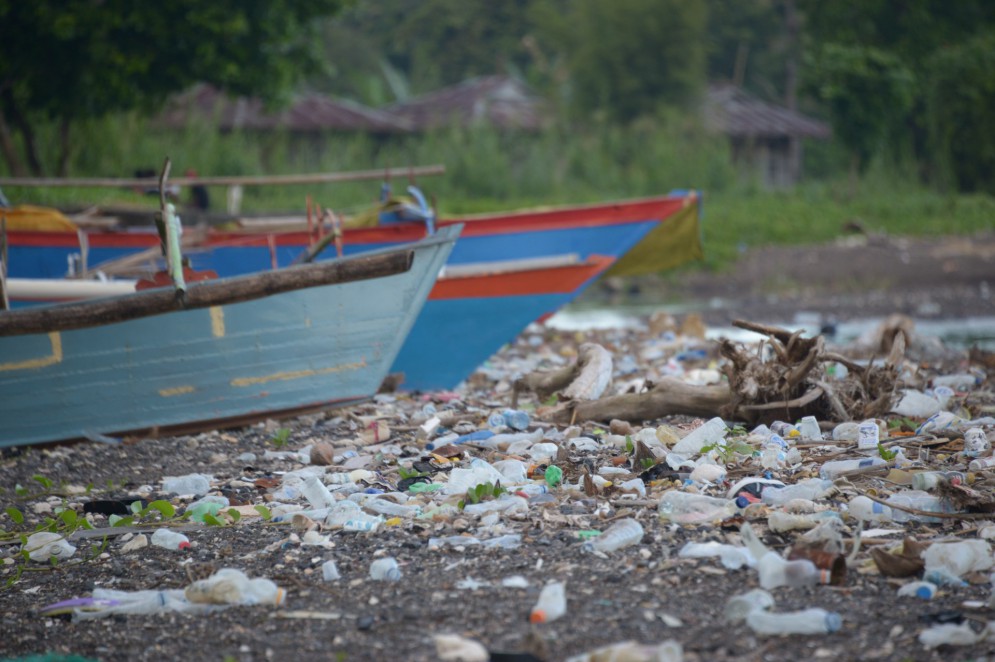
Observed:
{"x":803,"y":502}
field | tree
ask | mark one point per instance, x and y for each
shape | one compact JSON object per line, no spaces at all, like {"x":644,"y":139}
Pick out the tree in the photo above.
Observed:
{"x":960,"y":96}
{"x":867,"y":90}
{"x":66,"y":61}
{"x":627,"y":57}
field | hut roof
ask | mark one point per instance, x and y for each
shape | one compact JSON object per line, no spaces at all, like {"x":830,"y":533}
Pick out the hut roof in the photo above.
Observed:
{"x":307,"y":113}
{"x":734,"y":112}
{"x":497,"y":100}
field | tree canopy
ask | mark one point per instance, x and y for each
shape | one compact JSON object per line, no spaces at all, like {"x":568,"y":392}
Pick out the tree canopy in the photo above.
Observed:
{"x":73,"y":60}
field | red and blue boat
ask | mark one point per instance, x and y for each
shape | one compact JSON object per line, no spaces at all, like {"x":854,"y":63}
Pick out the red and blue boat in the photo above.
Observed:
{"x":506,"y":270}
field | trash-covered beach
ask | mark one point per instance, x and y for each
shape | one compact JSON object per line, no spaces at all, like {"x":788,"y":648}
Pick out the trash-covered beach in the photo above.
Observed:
{"x":784,"y":498}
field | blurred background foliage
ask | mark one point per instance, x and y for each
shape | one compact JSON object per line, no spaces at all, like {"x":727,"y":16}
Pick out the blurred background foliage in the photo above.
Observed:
{"x":905,"y":84}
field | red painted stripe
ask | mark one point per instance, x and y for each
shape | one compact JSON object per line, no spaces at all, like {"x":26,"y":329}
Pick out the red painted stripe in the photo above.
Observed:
{"x":551,"y":280}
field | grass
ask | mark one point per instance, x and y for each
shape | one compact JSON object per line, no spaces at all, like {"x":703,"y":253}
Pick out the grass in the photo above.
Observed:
{"x":488,"y":170}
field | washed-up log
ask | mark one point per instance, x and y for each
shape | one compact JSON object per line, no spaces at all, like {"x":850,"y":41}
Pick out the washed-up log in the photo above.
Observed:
{"x":201,"y":295}
{"x":667,"y":398}
{"x":782,"y":379}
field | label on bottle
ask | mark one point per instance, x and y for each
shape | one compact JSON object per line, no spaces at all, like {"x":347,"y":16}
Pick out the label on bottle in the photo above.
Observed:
{"x":867,"y":436}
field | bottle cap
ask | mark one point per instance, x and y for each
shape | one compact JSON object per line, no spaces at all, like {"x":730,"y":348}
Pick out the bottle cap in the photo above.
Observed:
{"x":833,"y":621}
{"x":537,"y":616}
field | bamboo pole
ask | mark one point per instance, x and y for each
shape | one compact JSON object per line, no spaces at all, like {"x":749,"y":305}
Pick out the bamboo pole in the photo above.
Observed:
{"x":202,"y":294}
{"x":259,"y":180}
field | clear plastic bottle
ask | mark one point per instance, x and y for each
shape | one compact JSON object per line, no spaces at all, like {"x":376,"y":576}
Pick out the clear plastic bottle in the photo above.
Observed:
{"x":807,"y":621}
{"x":927,"y":480}
{"x":169,"y":539}
{"x":515,"y":419}
{"x":623,"y":533}
{"x":196,"y":484}
{"x":230,"y":586}
{"x":316,"y":493}
{"x":982,"y":463}
{"x":812,"y":488}
{"x":551,"y":605}
{"x":779,"y":521}
{"x":785,"y":430}
{"x":867,"y":510}
{"x":686,"y":508}
{"x":918,"y":500}
{"x":391,"y":509}
{"x":711,"y":432}
{"x":776,"y":571}
{"x":330,"y":571}
{"x":385,"y":569}
{"x":832,"y":470}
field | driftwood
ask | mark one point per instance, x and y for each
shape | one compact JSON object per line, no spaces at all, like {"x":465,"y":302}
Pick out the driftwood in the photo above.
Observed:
{"x":586,"y":379}
{"x":782,"y":380}
{"x":201,"y":294}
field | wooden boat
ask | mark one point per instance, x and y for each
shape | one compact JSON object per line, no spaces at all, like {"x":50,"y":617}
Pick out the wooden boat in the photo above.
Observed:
{"x":229,"y":351}
{"x":664,"y":231}
{"x":471,"y":312}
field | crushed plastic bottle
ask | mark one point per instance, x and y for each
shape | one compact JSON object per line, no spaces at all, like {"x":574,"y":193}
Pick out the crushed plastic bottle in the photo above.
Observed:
{"x":739,"y":606}
{"x":776,"y":571}
{"x":551,"y":605}
{"x":621,"y":534}
{"x":712,"y":432}
{"x":229,"y":586}
{"x":807,"y":621}
{"x":949,"y":634}
{"x":316,"y":493}
{"x":686,"y":508}
{"x":196,"y":484}
{"x":631,"y":651}
{"x":732,"y":556}
{"x":169,"y":539}
{"x":385,"y":570}
{"x":959,"y":558}
{"x":917,"y":500}
{"x":44,"y":545}
{"x":811,"y":488}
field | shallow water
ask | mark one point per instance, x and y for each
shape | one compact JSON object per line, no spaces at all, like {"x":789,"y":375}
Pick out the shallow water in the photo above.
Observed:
{"x":955,"y":333}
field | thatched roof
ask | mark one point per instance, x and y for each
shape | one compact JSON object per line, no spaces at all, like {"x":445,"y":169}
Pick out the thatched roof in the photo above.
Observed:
{"x":735,"y":113}
{"x":495,"y":100}
{"x":308,"y":113}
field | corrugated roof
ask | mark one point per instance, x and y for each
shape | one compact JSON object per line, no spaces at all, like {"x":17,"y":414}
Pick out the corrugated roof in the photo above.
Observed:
{"x":307,"y":113}
{"x":734,"y":112}
{"x":496,"y":100}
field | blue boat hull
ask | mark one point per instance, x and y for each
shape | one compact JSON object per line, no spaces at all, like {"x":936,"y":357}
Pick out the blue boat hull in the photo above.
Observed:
{"x":296,"y":350}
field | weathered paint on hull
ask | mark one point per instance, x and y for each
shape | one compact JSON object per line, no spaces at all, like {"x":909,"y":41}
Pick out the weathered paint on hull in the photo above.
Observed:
{"x":324,"y":344}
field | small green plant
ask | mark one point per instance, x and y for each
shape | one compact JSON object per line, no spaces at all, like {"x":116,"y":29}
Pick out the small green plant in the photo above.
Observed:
{"x":281,"y":437}
{"x":156,"y":512}
{"x":727,"y":450}
{"x":406,"y":473}
{"x":482,"y":492}
{"x":264,"y":512}
{"x":885,"y":453}
{"x":648,"y":463}
{"x":630,"y":447}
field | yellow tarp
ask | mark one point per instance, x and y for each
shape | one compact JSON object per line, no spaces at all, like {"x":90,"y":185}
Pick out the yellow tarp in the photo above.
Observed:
{"x":41,"y":219}
{"x":676,"y":241}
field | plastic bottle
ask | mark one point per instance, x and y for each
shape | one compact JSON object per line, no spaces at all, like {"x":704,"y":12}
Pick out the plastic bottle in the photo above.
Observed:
{"x":739,"y":606}
{"x":515,"y":419}
{"x":229,"y":586}
{"x":868,"y":510}
{"x":711,"y":432}
{"x":42,"y":546}
{"x":775,"y":571}
{"x":551,"y":605}
{"x":982,"y":463}
{"x":391,"y":509}
{"x":385,"y":569}
{"x":917,"y":500}
{"x":807,"y":621}
{"x":809,"y":428}
{"x":316,"y":493}
{"x":329,"y":571}
{"x":169,"y":539}
{"x":811,"y":488}
{"x":686,"y":508}
{"x":924,"y":590}
{"x":623,"y":533}
{"x":732,"y":556}
{"x":779,"y":521}
{"x":832,"y":470}
{"x":847,"y":431}
{"x":785,"y":430}
{"x":773,"y":455}
{"x":927,"y":480}
{"x":196,"y":484}
{"x":952,"y":634}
